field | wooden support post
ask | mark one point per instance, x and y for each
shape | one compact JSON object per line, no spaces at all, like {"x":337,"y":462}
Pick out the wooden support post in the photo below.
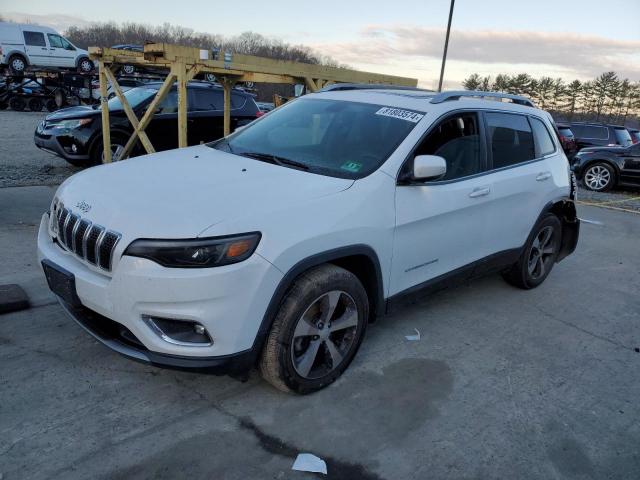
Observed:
{"x":106,"y":127}
{"x":311,"y":85}
{"x":182,"y":104}
{"x":227,"y":84}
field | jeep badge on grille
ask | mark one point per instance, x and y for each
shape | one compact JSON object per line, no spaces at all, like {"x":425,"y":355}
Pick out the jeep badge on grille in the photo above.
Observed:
{"x":84,"y":206}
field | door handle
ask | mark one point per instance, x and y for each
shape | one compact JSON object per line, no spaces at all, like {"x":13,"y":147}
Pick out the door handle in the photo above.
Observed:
{"x":543,"y":176}
{"x":480,"y":192}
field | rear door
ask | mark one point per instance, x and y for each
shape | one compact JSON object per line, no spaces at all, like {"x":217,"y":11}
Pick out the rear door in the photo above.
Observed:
{"x":62,"y":53}
{"x":36,"y":48}
{"x":440,"y":225}
{"x":524,"y":161}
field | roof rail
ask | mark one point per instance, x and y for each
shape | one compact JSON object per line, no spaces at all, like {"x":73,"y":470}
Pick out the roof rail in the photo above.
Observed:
{"x":457,"y":94}
{"x":367,"y":86}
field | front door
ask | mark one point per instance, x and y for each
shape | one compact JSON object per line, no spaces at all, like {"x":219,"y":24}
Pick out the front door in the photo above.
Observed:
{"x":631,"y":169}
{"x":36,"y":48}
{"x":440,"y":224}
{"x":163,"y":128}
{"x":62,"y":53}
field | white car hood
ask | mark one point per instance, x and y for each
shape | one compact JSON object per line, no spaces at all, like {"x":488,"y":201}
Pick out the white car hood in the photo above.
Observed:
{"x":181,"y":193}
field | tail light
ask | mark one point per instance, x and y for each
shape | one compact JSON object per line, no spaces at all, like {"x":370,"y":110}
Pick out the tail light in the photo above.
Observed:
{"x":259,"y":113}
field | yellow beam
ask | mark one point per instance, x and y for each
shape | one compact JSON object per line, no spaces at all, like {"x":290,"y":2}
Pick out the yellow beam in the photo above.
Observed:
{"x":104,"y":106}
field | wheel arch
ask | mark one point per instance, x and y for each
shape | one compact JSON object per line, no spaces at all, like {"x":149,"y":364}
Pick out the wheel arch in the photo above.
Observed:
{"x":14,"y":53}
{"x":565,"y":210}
{"x":361,"y":260}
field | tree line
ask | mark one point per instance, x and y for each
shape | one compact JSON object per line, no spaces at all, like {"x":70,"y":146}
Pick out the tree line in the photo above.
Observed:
{"x":606,"y":98}
{"x":248,"y":43}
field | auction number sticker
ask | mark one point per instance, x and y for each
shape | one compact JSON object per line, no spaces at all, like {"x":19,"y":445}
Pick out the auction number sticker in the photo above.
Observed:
{"x":407,"y":115}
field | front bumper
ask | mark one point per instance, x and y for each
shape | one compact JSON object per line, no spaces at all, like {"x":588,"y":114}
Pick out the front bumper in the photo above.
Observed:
{"x":51,"y":144}
{"x":229,"y":301}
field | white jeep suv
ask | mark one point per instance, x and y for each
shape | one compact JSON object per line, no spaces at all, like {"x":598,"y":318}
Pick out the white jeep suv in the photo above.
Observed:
{"x":277,"y":245}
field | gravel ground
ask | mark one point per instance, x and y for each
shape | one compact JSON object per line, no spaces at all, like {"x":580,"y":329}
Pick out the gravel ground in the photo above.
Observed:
{"x":21,"y":162}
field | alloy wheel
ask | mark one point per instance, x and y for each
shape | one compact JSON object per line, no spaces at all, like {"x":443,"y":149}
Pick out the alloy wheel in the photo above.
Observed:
{"x":116,"y":152}
{"x":541,"y":254}
{"x":597,"y":177}
{"x":86,"y":65}
{"x":324,"y":334}
{"x":17,"y":64}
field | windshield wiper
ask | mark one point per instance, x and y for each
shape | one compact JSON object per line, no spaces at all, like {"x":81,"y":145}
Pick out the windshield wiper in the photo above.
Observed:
{"x":267,"y":157}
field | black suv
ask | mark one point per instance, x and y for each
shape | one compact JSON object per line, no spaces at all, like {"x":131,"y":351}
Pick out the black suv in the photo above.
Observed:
{"x":602,"y":168}
{"x":600,"y":135}
{"x":75,"y":133}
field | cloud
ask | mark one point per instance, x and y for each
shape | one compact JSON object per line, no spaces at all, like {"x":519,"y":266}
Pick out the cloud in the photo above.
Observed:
{"x":58,"y":22}
{"x":583,"y":56}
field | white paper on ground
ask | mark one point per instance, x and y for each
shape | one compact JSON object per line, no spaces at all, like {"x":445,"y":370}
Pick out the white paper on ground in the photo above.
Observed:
{"x":306,"y":462}
{"x":413,"y":338}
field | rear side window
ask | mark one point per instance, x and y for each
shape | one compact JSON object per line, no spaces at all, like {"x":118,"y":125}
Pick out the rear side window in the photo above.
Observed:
{"x":544,"y":143}
{"x":34,"y":39}
{"x":595,"y":132}
{"x":457,"y":140}
{"x":623,"y":137}
{"x":511,"y":139}
{"x":204,"y":100}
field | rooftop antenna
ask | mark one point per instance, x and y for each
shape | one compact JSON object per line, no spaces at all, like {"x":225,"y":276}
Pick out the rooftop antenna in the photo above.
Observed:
{"x":446,"y":46}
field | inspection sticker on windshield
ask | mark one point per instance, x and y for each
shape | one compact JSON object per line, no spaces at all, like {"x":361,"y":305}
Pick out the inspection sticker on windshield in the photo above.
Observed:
{"x":407,"y":115}
{"x":351,"y":166}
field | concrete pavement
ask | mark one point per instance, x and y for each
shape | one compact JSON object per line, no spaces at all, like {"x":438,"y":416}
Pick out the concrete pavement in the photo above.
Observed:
{"x":503,"y":384}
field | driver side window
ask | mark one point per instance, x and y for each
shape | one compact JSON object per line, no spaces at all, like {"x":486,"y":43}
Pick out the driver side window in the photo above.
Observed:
{"x":457,"y":140}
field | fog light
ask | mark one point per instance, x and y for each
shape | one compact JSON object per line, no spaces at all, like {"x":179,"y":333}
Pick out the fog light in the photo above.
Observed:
{"x":74,"y":148}
{"x":179,"y":332}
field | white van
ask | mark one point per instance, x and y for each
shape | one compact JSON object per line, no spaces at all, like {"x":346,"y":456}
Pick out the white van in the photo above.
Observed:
{"x":23,"y":45}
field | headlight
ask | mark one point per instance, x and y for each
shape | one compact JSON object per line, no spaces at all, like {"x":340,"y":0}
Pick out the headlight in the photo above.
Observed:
{"x":197,"y":252}
{"x":70,"y":124}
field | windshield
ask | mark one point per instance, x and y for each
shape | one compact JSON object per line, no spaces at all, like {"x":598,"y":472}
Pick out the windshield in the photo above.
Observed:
{"x":336,"y":138}
{"x":135,"y":97}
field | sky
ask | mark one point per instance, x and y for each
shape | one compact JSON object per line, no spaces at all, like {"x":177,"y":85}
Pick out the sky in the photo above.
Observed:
{"x":568,"y":39}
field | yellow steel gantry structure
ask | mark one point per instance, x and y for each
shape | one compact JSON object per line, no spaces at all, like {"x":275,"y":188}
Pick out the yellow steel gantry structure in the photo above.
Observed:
{"x":183,"y":63}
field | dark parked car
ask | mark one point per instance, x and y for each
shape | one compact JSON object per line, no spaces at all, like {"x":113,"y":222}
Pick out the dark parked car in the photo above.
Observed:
{"x":132,"y":69}
{"x":75,"y":133}
{"x":635,"y":134}
{"x":600,"y":135}
{"x":567,"y":140}
{"x":602,"y":168}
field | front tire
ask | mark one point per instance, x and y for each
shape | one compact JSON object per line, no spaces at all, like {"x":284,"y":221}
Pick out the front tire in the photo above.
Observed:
{"x":599,"y":177}
{"x":317,"y":331}
{"x":539,"y":256}
{"x":85,"y":65}
{"x":96,"y":155}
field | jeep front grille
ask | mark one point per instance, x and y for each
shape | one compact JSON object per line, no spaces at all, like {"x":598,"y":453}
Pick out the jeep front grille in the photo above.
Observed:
{"x":92,"y":243}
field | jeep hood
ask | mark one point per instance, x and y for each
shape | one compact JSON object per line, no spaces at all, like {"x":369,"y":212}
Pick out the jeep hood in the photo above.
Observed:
{"x":180,"y":193}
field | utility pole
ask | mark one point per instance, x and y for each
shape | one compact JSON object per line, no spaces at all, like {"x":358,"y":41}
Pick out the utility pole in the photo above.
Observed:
{"x":446,"y":46}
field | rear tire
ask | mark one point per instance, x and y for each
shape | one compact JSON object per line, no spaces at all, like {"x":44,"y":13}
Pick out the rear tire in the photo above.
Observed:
{"x":51,"y":105}
{"x":539,"y":256}
{"x":18,"y":104}
{"x":317,"y":331}
{"x":35,"y":104}
{"x":17,"y":65}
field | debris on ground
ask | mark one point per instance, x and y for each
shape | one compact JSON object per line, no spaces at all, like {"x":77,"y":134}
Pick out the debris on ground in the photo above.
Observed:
{"x":307,"y":462}
{"x":413,"y":338}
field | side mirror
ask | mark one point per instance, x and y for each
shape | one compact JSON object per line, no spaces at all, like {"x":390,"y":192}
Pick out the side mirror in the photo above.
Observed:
{"x":428,"y":167}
